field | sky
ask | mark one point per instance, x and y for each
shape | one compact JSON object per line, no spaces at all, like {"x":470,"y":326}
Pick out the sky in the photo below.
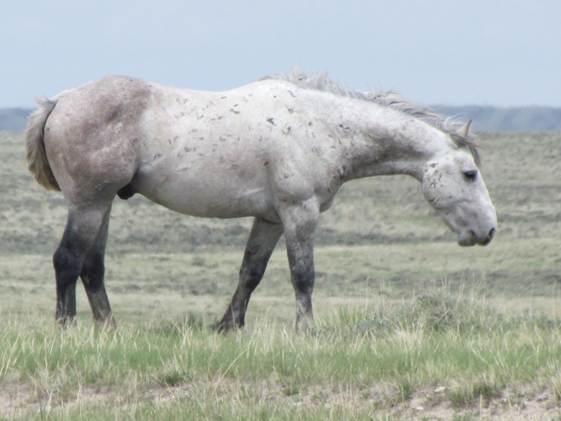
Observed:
{"x":489,"y":52}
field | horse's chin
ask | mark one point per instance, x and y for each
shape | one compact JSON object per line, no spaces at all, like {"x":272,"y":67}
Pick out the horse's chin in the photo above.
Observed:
{"x":466,"y":239}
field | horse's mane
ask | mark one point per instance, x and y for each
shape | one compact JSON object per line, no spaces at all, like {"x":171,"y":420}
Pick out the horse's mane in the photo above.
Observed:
{"x":450,"y":125}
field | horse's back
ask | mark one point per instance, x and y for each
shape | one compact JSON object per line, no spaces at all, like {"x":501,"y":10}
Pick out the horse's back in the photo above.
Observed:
{"x":221,"y":154}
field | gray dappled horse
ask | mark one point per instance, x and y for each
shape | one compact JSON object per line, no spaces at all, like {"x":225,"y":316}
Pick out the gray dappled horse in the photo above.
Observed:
{"x":277,"y":149}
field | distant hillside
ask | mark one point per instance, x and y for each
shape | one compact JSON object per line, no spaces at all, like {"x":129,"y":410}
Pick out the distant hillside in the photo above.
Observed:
{"x":485,"y":118}
{"x":13,"y":119}
{"x":507,"y":120}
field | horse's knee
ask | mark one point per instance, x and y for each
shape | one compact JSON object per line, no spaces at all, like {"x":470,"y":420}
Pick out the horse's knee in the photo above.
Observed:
{"x":303,"y":285}
{"x":303,"y":280}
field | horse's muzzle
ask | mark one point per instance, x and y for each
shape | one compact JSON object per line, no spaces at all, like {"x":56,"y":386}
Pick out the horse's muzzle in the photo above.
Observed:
{"x":470,"y":238}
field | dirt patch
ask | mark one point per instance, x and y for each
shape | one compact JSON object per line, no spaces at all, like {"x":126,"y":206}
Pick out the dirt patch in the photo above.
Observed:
{"x":432,"y":404}
{"x":18,"y":400}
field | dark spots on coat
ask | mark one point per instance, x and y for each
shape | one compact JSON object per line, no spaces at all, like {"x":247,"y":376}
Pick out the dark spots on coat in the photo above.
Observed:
{"x":292,"y":94}
{"x":271,"y":120}
{"x":156,"y":156}
{"x":309,"y":123}
{"x":223,"y":97}
{"x":201,"y":138}
{"x":222,"y":138}
{"x":114,"y":114}
{"x":290,"y":110}
{"x":286,"y":131}
{"x":265,"y":163}
{"x":234,"y":111}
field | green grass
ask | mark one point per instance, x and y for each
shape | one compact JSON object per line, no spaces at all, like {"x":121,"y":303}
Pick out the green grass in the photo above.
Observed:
{"x":381,"y":354}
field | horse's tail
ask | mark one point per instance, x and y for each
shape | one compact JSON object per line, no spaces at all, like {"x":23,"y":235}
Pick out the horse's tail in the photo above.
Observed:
{"x":37,"y":161}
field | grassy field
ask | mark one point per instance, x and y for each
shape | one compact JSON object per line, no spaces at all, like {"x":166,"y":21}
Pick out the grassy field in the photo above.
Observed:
{"x":409,"y":325}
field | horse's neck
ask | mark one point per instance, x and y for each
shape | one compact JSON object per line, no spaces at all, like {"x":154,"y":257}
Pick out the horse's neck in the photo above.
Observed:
{"x":390,"y":142}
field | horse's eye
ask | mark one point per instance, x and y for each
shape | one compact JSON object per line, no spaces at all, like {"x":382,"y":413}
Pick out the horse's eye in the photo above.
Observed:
{"x":470,"y":175}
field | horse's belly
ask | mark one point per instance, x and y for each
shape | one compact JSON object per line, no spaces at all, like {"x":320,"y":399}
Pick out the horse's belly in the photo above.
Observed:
{"x":206,"y":194}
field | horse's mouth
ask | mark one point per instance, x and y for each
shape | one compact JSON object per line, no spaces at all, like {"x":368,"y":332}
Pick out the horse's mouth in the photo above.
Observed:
{"x":470,"y":238}
{"x":467,"y":242}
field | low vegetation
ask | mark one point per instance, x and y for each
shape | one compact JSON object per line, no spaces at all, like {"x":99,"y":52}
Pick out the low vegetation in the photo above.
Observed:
{"x":446,"y":351}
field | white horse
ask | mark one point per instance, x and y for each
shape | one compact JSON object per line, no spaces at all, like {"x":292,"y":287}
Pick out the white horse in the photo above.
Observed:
{"x":277,"y":149}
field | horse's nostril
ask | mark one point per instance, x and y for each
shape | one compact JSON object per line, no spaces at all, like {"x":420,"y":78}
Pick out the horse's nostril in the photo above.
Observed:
{"x":491,"y":233}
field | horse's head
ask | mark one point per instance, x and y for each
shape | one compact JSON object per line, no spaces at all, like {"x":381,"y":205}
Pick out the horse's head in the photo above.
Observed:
{"x":454,"y":186}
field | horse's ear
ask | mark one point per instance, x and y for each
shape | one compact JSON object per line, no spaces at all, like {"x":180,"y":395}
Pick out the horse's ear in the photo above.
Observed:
{"x":465,"y":130}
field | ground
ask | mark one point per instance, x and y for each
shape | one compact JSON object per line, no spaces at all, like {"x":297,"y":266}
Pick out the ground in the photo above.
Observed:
{"x":409,"y":325}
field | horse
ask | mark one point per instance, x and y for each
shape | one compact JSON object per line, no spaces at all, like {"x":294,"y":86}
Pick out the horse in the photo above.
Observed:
{"x":277,"y":150}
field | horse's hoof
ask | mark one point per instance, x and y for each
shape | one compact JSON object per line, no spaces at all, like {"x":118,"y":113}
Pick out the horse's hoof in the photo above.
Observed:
{"x":108,"y":324}
{"x":225,"y":326}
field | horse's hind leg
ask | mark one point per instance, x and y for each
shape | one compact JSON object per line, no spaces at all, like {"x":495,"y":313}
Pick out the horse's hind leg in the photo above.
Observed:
{"x":260,"y":245}
{"x":93,"y":271}
{"x":82,"y":229}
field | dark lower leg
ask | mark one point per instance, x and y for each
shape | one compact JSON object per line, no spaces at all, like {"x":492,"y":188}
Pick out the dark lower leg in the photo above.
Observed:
{"x":93,"y":272}
{"x":92,"y":277}
{"x":67,"y":269}
{"x":299,"y":225}
{"x":79,"y":236}
{"x":262,"y":241}
{"x":303,"y":278}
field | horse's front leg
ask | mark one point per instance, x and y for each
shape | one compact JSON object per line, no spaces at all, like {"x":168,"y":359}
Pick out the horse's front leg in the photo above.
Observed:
{"x":262,"y":241}
{"x":299,"y":223}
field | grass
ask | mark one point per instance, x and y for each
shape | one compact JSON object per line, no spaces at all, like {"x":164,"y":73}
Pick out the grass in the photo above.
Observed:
{"x":378,"y":357}
{"x":409,"y":326}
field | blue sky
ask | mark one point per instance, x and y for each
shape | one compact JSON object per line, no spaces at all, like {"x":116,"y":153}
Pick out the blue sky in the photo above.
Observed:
{"x":493,"y":52}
